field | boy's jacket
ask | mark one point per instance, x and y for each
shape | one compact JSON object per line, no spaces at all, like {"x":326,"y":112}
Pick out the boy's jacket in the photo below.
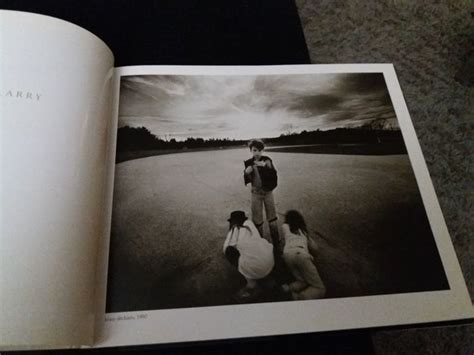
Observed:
{"x":268,"y":175}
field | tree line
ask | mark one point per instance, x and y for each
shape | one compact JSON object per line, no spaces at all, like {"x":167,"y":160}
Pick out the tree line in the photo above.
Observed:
{"x":140,"y":138}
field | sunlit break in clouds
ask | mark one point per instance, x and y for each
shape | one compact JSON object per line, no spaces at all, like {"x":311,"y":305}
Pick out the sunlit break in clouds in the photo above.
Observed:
{"x":243,"y":107}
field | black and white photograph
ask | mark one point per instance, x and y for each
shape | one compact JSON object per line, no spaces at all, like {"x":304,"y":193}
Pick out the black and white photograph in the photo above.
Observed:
{"x":243,"y":189}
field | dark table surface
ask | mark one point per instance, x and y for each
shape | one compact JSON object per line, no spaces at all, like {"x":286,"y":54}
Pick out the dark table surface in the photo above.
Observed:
{"x":209,"y":32}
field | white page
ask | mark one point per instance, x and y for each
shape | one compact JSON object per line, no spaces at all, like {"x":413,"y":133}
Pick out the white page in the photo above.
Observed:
{"x":55,"y":109}
{"x":178,"y":189}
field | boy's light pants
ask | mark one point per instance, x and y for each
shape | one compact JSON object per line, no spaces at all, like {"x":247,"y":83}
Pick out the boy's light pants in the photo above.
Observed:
{"x":261,"y":199}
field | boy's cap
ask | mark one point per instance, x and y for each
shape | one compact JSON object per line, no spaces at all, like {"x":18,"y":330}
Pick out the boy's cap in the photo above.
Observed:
{"x":237,"y":217}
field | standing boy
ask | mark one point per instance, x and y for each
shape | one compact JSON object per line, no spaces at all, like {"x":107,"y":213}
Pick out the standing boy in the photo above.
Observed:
{"x":261,"y":173}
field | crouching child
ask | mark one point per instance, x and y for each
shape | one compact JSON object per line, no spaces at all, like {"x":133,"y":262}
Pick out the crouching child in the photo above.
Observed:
{"x":297,"y":256}
{"x":246,"y":250}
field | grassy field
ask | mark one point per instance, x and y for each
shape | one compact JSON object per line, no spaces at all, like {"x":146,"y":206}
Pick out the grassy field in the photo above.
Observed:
{"x":350,"y":149}
{"x":138,"y":154}
{"x":357,"y":149}
{"x":169,"y":224}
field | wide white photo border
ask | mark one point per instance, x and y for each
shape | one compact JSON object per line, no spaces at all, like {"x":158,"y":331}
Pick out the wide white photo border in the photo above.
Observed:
{"x":263,"y":319}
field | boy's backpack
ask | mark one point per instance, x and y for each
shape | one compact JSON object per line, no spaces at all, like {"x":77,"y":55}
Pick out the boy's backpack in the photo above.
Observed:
{"x":269,"y":178}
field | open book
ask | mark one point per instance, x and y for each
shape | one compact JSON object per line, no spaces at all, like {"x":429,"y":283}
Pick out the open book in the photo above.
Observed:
{"x":135,"y":211}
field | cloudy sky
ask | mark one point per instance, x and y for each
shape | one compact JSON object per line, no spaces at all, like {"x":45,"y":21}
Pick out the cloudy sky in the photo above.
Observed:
{"x":244,"y":107}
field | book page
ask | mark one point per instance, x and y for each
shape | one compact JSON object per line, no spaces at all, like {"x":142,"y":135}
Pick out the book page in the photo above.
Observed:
{"x":55,"y":114}
{"x":358,"y":236}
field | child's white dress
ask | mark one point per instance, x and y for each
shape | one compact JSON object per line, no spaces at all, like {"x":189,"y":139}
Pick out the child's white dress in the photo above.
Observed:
{"x":256,"y":253}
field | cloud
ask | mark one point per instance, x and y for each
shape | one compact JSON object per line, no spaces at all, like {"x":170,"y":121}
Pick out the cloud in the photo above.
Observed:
{"x":242,"y":107}
{"x":313,"y":105}
{"x":361,"y":83}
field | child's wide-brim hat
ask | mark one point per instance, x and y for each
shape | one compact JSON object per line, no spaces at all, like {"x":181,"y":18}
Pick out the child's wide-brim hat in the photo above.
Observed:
{"x":237,"y":217}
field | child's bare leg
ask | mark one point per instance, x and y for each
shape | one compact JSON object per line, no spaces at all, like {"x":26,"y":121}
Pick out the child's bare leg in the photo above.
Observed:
{"x":310,"y":293}
{"x":310,"y":274}
{"x":314,"y":285}
{"x":297,"y":286}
